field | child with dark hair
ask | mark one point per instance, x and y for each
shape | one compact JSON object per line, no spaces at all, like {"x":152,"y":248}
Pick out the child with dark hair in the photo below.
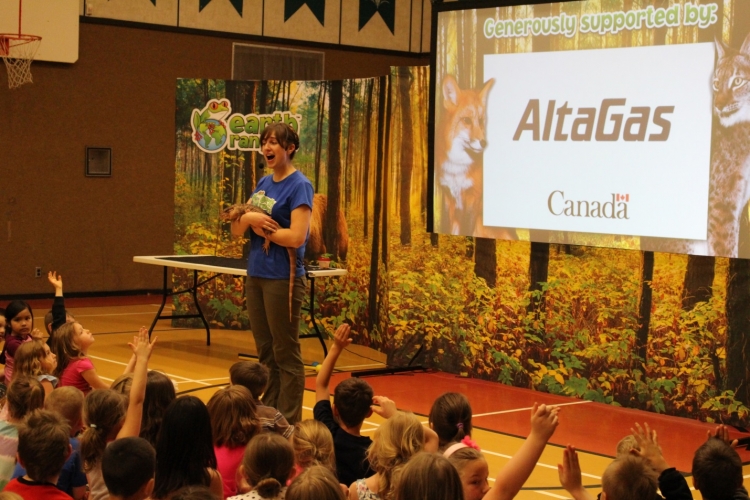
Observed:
{"x":352,"y":402}
{"x":233,"y":425}
{"x":43,"y":448}
{"x":184,"y":449}
{"x":267,"y":465}
{"x":128,"y":468}
{"x":254,"y":377}
{"x":19,"y":328}
{"x":450,"y":417}
{"x":717,"y":469}
{"x":25,"y":394}
{"x":160,"y":393}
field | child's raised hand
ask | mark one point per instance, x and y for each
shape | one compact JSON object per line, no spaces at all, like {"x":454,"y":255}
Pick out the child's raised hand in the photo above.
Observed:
{"x":141,"y":345}
{"x":569,"y":471}
{"x":37,"y":334}
{"x":544,"y":420}
{"x":55,"y":280}
{"x":341,"y":337}
{"x":383,"y":406}
{"x":648,"y":447}
{"x":722,"y":432}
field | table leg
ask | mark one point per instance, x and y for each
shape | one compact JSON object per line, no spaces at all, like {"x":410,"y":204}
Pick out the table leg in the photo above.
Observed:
{"x":317,"y":333}
{"x":198,"y":306}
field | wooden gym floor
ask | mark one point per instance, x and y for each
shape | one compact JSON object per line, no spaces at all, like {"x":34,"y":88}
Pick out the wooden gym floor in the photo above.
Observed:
{"x":501,"y":413}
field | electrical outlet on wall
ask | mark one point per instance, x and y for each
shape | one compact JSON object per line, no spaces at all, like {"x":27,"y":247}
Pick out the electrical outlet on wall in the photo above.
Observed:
{"x":38,"y":272}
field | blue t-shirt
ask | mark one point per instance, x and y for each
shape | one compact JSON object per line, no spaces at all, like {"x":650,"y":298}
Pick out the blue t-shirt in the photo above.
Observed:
{"x":292,"y":192}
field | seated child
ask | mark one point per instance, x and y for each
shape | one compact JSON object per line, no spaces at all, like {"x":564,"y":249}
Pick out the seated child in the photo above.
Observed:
{"x":473,"y":470}
{"x":68,"y":402}
{"x":450,"y":417}
{"x":395,"y":442}
{"x":254,"y":377}
{"x":315,"y":483}
{"x":266,"y":466}
{"x":128,"y":468}
{"x":313,"y":445}
{"x":717,"y":469}
{"x":352,"y":404}
{"x":36,"y":360}
{"x":428,"y":476}
{"x":233,"y":425}
{"x":633,"y":475}
{"x":43,"y":448}
{"x":25,"y":394}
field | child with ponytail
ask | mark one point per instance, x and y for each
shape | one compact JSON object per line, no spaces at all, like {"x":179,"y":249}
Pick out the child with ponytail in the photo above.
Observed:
{"x":267,"y":465}
{"x":107,"y":417}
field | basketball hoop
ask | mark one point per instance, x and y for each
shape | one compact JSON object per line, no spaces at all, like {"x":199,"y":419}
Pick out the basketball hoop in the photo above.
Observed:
{"x":18,"y":50}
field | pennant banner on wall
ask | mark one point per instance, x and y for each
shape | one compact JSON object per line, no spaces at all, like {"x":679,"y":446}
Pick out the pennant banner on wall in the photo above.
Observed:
{"x":202,"y":4}
{"x":386,"y":9}
{"x":317,"y":7}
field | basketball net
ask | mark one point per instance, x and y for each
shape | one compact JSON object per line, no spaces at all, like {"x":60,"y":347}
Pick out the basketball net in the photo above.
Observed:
{"x":18,"y":52}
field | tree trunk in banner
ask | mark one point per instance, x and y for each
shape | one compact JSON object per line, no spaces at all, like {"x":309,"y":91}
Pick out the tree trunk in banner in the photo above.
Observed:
{"x":319,"y":136}
{"x":644,"y":304}
{"x":539,"y":256}
{"x":386,"y":161}
{"x":368,"y":139}
{"x":407,"y":153}
{"x":330,"y":233}
{"x":538,"y":269}
{"x":738,"y":322}
{"x":349,"y":166}
{"x":372,"y":299}
{"x":699,"y":279}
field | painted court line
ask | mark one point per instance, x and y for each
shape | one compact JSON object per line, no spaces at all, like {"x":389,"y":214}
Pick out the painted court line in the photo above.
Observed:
{"x":547,"y":493}
{"x":514,"y":410}
{"x":184,"y":379}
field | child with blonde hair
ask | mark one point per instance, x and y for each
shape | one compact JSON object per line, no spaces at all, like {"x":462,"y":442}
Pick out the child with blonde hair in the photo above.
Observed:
{"x":313,"y":445}
{"x":35,"y":359}
{"x":233,"y":425}
{"x":267,"y":465}
{"x":315,"y":483}
{"x":395,"y":442}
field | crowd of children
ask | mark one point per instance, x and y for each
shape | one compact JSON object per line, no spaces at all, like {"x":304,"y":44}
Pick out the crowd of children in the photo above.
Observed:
{"x":65,"y":433}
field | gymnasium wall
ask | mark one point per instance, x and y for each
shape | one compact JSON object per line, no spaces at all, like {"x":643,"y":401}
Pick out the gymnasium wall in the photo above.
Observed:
{"x":120,"y":94}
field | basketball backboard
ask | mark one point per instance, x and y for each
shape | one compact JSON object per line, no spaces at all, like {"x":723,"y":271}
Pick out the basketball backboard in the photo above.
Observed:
{"x":56,"y":21}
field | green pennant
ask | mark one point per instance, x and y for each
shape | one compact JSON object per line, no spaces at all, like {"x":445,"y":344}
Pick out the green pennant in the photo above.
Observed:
{"x":202,"y":4}
{"x":317,"y":7}
{"x":386,"y":9}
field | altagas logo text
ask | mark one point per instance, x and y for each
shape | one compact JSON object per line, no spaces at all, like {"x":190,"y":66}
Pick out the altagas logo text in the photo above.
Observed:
{"x":614,"y":208}
{"x":610,"y":122}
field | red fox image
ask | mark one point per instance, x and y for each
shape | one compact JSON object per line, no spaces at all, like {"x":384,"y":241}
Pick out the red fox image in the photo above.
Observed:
{"x":460,"y":141}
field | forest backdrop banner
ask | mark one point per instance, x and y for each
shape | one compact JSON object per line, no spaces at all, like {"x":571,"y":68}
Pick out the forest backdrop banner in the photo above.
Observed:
{"x":659,"y":332}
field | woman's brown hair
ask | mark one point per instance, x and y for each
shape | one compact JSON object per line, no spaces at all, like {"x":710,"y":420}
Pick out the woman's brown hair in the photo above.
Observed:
{"x":233,"y":418}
